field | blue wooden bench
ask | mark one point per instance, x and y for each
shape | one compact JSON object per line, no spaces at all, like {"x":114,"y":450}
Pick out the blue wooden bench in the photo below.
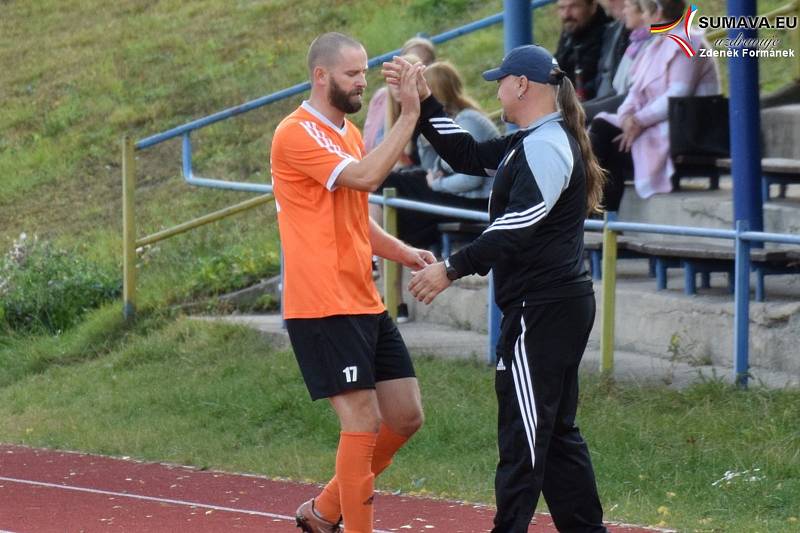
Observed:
{"x":458,"y":233}
{"x":687,"y":166}
{"x":593,"y":250}
{"x":774,"y":170}
{"x":704,"y":259}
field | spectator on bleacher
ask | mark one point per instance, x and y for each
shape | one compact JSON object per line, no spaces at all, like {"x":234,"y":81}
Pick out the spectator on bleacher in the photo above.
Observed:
{"x":425,"y":50}
{"x":609,"y":99}
{"x":405,"y":164}
{"x":615,"y":41}
{"x":579,"y":46}
{"x":404,"y":174}
{"x":546,"y":180}
{"x":435,"y":182}
{"x":448,"y":87}
{"x":636,"y":137}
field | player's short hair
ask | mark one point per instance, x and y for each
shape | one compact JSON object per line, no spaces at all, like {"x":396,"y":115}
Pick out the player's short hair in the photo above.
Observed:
{"x":325,"y":49}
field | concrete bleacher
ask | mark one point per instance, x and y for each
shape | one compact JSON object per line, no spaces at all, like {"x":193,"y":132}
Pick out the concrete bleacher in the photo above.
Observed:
{"x":695,"y":205}
{"x":780,"y":129}
{"x":669,"y":324}
{"x":657,"y":331}
{"x":665,"y":324}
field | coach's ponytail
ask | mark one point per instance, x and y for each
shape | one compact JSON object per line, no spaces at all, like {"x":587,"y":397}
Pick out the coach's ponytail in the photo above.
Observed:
{"x":575,"y":120}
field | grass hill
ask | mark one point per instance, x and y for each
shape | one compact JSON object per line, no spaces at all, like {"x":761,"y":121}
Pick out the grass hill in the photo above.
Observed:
{"x":80,"y":74}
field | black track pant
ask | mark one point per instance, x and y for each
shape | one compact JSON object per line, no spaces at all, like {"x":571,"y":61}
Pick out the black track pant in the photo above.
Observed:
{"x":541,"y":449}
{"x":619,"y":164}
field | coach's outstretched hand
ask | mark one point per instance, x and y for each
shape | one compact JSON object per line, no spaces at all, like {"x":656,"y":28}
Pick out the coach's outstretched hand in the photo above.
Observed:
{"x":392,"y":73}
{"x":426,"y":284}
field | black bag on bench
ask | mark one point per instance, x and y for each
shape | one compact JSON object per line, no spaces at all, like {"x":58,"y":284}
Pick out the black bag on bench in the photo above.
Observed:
{"x":698,"y":135}
{"x":699,"y":126}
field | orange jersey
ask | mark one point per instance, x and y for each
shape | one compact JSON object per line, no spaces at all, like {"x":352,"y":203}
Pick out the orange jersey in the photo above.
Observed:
{"x":324,"y":229}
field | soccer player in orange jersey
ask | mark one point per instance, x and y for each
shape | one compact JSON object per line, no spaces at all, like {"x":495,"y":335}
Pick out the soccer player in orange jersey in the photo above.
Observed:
{"x":347,"y":347}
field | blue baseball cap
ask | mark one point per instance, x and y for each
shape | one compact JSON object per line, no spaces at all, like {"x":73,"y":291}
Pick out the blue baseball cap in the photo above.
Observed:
{"x":531,"y":60}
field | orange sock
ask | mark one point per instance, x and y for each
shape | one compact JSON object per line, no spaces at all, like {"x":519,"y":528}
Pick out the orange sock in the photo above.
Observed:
{"x":356,"y":480}
{"x":387,"y":444}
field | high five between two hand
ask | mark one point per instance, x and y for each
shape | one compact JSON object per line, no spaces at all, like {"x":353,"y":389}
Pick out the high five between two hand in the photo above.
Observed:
{"x":392,"y":72}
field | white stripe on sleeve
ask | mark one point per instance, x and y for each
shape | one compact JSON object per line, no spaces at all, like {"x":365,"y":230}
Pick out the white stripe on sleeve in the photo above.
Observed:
{"x":331,"y":185}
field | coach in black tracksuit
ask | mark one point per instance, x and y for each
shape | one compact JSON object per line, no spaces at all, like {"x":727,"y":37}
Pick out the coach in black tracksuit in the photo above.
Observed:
{"x":546,"y":180}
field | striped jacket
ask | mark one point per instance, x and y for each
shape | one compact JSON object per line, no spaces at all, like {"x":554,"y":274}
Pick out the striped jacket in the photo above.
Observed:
{"x":534,"y":243}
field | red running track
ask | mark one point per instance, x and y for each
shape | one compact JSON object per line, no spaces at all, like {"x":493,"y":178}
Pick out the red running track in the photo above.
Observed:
{"x":44,"y":491}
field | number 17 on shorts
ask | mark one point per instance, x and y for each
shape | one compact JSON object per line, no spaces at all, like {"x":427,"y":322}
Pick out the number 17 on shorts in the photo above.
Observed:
{"x":351,"y":374}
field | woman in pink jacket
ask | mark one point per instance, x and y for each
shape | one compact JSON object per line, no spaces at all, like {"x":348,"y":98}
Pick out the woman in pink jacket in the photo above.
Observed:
{"x":637,"y":135}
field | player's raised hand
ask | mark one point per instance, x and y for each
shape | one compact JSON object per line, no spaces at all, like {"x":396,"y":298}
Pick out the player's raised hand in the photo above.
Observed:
{"x":392,"y":70}
{"x":409,"y":96}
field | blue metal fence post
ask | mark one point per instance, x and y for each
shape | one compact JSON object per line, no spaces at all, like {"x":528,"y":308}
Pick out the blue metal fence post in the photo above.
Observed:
{"x":517,"y":24}
{"x":495,"y":317}
{"x":518,"y":30}
{"x":741,"y":329}
{"x":745,"y":125}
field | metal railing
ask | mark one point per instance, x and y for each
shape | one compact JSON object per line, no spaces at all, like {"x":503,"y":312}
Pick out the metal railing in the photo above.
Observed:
{"x":129,"y":148}
{"x":609,"y":227}
{"x":742,"y":267}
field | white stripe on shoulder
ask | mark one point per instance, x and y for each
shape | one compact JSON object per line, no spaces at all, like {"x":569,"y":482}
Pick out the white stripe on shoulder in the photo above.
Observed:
{"x":451,"y":132}
{"x":519,"y":225}
{"x":440,"y":119}
{"x":521,"y":214}
{"x":445,"y":127}
{"x":498,"y":224}
{"x":323,"y":140}
{"x":330,"y":144}
{"x":448,"y":127}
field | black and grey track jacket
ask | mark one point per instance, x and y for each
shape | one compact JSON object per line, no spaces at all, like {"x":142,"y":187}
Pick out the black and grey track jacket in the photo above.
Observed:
{"x":534,"y":243}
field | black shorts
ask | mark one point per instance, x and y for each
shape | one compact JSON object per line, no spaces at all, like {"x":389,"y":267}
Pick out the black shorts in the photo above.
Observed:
{"x":348,"y":352}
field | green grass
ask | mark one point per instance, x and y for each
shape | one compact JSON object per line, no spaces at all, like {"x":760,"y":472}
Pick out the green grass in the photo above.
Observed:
{"x":219,"y":396}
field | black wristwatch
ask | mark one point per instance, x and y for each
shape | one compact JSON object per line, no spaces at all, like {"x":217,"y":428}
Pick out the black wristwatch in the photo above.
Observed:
{"x":452,"y":273}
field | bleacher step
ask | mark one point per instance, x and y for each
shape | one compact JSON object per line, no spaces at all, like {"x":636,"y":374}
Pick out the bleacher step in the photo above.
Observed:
{"x":707,"y":209}
{"x":427,"y":339}
{"x":665,"y":324}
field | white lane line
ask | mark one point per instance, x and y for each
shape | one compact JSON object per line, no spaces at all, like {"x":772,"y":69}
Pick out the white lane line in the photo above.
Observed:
{"x":153,"y":499}
{"x":146,"y":498}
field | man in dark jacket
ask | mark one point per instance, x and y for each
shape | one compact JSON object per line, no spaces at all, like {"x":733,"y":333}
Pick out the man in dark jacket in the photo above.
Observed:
{"x":615,"y":41}
{"x":580,"y":45}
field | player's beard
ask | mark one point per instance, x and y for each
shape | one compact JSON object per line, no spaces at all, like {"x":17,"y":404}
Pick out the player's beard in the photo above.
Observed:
{"x":341,"y":100}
